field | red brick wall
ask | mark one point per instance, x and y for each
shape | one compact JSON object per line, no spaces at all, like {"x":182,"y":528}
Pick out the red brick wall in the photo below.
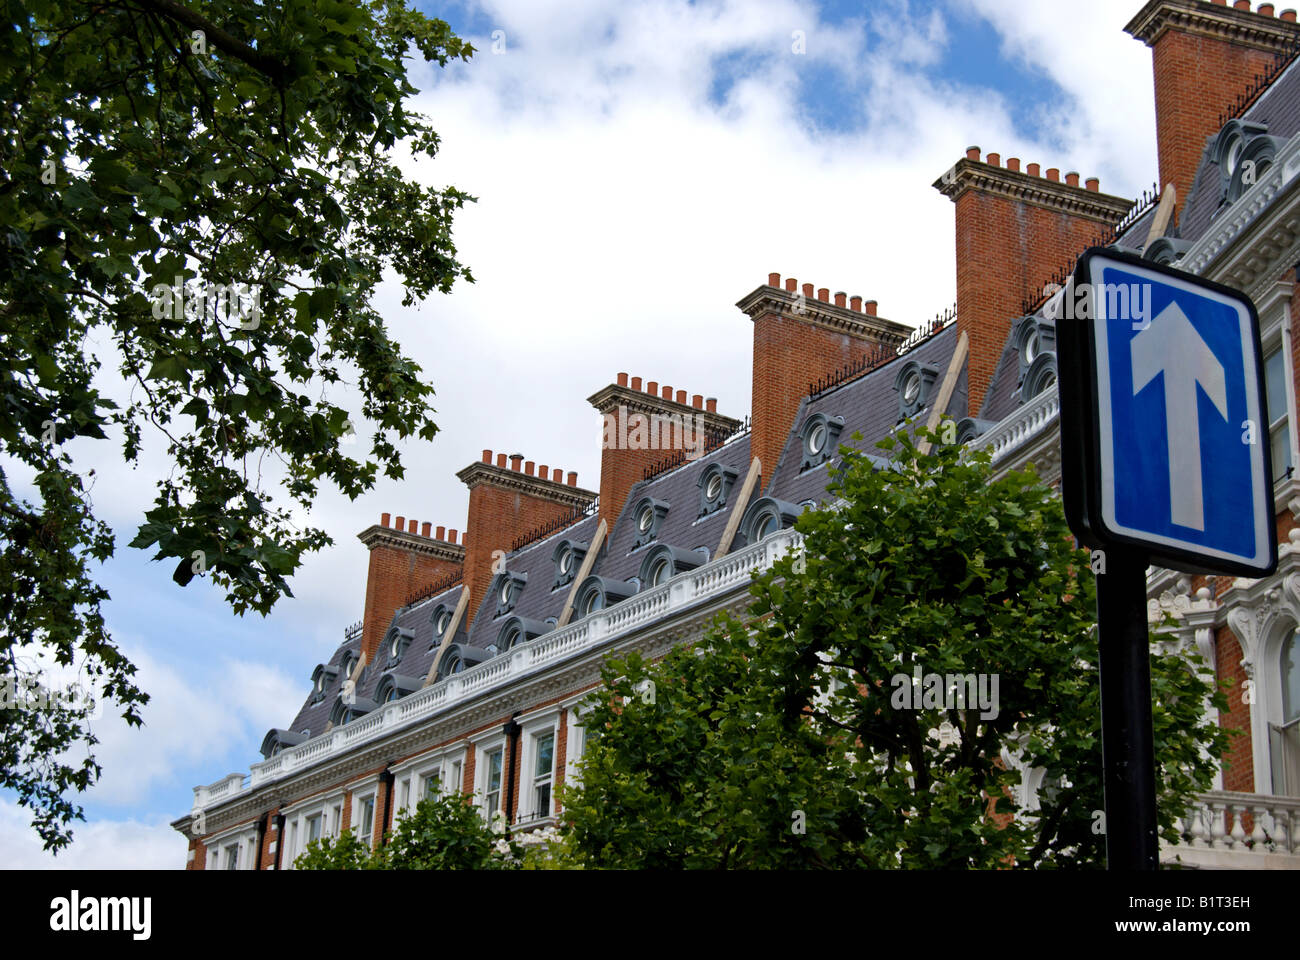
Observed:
{"x":620,"y":470}
{"x":394,"y":575}
{"x":788,"y":355}
{"x":1197,"y":78}
{"x":497,"y":517}
{"x":1238,"y":772}
{"x":1006,"y":252}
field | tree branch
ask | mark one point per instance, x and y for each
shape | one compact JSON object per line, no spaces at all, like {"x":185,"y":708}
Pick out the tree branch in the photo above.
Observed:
{"x":272,"y":68}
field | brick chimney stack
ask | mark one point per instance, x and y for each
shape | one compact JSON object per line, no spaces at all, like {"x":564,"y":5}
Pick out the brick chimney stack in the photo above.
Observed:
{"x":1014,"y":231}
{"x":1204,"y":56}
{"x":505,"y":503}
{"x":641,"y":428}
{"x":402,"y":562}
{"x":800,"y":337}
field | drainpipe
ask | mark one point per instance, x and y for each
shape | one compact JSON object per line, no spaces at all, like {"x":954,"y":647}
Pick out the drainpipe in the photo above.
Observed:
{"x":261,"y":838}
{"x":511,"y":730}
{"x":387,"y":778}
{"x":279,"y":840}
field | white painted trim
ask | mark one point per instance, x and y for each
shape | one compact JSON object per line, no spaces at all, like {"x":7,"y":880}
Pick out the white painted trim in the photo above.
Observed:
{"x":542,"y":723}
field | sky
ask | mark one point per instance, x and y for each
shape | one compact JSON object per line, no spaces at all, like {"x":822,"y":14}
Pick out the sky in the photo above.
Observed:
{"x":639,"y":168}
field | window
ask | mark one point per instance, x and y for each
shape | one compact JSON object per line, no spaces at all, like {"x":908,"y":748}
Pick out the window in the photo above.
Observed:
{"x":398,"y":639}
{"x":821,"y":436}
{"x":366,"y":818}
{"x":648,"y":515}
{"x":336,"y":822}
{"x":1284,"y":738}
{"x":543,"y":774}
{"x":664,"y":562}
{"x":914,"y":384}
{"x":492,"y":782}
{"x":767,"y":515}
{"x":715,"y":485}
{"x":431,"y":784}
{"x":1279,"y":432}
{"x":509,"y":586}
{"x":232,"y":857}
{"x":568,"y":557}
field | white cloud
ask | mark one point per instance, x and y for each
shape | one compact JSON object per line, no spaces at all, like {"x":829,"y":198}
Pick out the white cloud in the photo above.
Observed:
{"x":99,"y":845}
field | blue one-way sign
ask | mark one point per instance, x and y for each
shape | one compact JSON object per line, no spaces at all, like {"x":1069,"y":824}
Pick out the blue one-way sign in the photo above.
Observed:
{"x":1164,"y":437}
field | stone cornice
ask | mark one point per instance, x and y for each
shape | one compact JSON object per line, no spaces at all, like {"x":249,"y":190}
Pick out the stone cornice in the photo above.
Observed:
{"x":971,"y":174}
{"x":613,"y":396}
{"x":477,"y":473}
{"x":1211,"y":20}
{"x":765,"y":299}
{"x":379,"y":536}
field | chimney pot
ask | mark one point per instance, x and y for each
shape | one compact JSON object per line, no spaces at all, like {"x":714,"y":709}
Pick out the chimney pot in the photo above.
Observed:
{"x":1265,"y":10}
{"x":487,"y":456}
{"x":557,"y":474}
{"x":1054,"y":174}
{"x":1072,"y":178}
{"x":544,"y":472}
{"x":1093,"y":184}
{"x":451,"y":536}
{"x":636,"y":383}
{"x":994,"y":160}
{"x":573,"y":478}
{"x":501,"y":460}
{"x":870,"y":308}
{"x":384,"y":519}
{"x":855,"y":304}
{"x":529,"y":466}
{"x":441,"y":533}
{"x":411,"y":525}
{"x":808,"y":290}
{"x":652,"y":388}
{"x":1013,"y":164}
{"x":1033,"y":170}
{"x":667,"y":392}
{"x":697,"y":401}
{"x":774,"y":279}
{"x":1288,"y":15}
{"x":425,"y":529}
{"x":681,"y":397}
{"x":840,"y":298}
{"x":791,"y":284}
{"x":622,"y":379}
{"x":824,"y":294}
{"x":515,"y":460}
{"x":972,"y":153}
{"x":1242,"y":4}
{"x":711,"y":404}
{"x":400,"y":524}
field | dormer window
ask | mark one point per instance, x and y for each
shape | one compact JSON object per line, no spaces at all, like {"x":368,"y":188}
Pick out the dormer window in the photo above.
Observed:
{"x":664,"y":562}
{"x":508,"y":588}
{"x":915,"y":384}
{"x":1035,"y":342}
{"x":398,"y":639}
{"x":393,"y":686}
{"x":767,"y":515}
{"x":568,"y":557}
{"x":597,"y":593}
{"x":715,"y":485}
{"x":441,"y":621}
{"x":648,"y":516}
{"x":519,"y":630}
{"x":322,"y":678}
{"x":1243,"y":151}
{"x":821,"y":435}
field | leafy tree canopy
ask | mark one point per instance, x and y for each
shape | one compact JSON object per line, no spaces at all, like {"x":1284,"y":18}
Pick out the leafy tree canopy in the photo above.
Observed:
{"x":797,"y":737}
{"x":200,"y":196}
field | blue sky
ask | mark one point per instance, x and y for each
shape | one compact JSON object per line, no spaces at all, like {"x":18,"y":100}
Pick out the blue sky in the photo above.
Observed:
{"x":640,"y":167}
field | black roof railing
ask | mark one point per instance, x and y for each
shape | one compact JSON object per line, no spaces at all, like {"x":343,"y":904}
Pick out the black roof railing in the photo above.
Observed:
{"x":446,"y":583}
{"x":711,"y":442}
{"x":1246,"y":99}
{"x":559,"y":523}
{"x":928,"y":329}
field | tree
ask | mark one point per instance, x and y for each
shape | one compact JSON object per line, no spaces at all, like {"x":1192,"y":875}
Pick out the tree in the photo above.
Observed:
{"x":201,"y":196}
{"x":847,"y":696}
{"x":442,"y":833}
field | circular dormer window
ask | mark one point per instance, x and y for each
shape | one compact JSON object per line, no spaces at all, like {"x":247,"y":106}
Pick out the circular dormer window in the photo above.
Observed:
{"x":444,"y":621}
{"x":645,"y":519}
{"x":912,"y":387}
{"x":566,"y":560}
{"x":661,"y":572}
{"x":594,"y":603}
{"x":817,"y":438}
{"x":1031,"y":347}
{"x":512,"y":638}
{"x":395,"y":648}
{"x":714,"y":487}
{"x":766,"y":525}
{"x":1233,"y":156}
{"x":505,"y":593}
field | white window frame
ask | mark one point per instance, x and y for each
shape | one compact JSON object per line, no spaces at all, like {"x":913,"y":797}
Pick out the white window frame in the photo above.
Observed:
{"x":448,"y":762}
{"x":243,"y":839}
{"x":483,"y":746}
{"x":298,"y":816}
{"x":532,"y":729}
{"x":1274,"y":309}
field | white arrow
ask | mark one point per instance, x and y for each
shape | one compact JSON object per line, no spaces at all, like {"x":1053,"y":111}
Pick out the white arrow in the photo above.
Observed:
{"x":1171,"y":345}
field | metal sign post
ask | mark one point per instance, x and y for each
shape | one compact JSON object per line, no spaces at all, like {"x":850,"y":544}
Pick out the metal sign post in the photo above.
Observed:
{"x":1165,"y":459}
